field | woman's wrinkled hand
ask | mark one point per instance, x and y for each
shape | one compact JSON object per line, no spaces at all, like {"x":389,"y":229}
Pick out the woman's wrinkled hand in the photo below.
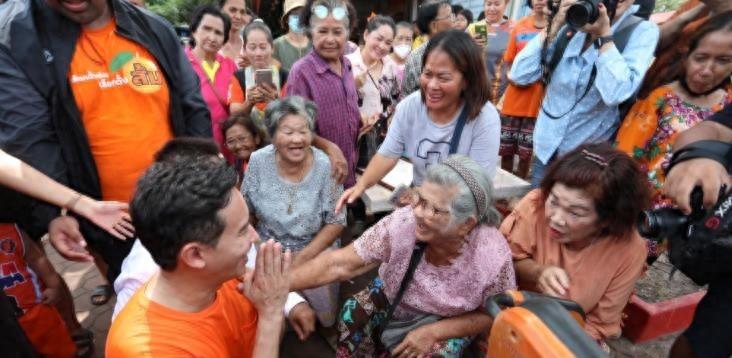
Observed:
{"x":553,"y":281}
{"x":416,"y":344}
{"x":349,"y":197}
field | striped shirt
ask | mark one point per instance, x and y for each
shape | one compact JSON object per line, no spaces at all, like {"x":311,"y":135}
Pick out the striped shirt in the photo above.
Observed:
{"x":335,"y":95}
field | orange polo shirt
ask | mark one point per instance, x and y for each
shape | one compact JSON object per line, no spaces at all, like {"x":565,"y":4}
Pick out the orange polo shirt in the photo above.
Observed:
{"x":227,"y":328}
{"x":123,"y":99}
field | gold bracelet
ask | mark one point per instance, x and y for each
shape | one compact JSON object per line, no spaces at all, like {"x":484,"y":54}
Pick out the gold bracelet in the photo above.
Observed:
{"x":69,"y":206}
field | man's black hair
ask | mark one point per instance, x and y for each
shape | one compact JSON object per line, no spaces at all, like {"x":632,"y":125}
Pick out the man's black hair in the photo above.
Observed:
{"x":178,"y":202}
{"x":187,"y":148}
{"x":427,"y":12}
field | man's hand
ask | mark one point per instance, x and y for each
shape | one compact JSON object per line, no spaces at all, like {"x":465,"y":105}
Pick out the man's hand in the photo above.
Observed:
{"x":416,"y":344}
{"x":338,"y":163}
{"x":553,"y":281}
{"x":111,"y":216}
{"x":268,"y":285}
{"x":707,"y":173}
{"x":302,"y":319}
{"x":601,"y":27}
{"x":50,"y":296}
{"x":64,"y":235}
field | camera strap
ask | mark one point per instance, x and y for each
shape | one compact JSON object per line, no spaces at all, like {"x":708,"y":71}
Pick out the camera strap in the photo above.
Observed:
{"x":621,"y":36}
{"x":709,"y":149}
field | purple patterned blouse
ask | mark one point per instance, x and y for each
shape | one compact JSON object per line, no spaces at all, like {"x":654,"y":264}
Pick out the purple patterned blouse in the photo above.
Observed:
{"x":483,"y":269}
{"x":338,"y":117}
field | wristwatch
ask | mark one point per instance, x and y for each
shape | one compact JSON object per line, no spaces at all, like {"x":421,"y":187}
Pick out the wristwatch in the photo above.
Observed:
{"x":601,"y":41}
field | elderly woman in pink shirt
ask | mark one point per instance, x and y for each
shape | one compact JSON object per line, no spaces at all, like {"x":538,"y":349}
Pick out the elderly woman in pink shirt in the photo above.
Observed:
{"x":460,"y":259}
{"x":209,"y":32}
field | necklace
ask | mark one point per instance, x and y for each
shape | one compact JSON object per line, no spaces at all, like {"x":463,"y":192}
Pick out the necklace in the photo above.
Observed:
{"x":292,"y":190}
{"x":99,"y":60}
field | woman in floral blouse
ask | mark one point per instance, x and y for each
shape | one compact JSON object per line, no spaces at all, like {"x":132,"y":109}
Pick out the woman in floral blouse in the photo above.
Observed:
{"x":650,"y":129}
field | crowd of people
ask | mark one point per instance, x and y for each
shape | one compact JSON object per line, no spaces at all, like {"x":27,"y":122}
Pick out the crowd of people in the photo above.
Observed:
{"x":215,"y":182}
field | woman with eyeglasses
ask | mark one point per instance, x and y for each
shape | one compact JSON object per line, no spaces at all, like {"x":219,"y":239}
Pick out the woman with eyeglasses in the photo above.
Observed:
{"x":433,"y":17}
{"x":324,"y":76}
{"x":242,"y":137}
{"x":464,"y":260}
{"x":451,"y":114}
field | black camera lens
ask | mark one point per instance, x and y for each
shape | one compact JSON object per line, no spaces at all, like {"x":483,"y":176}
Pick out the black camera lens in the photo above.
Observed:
{"x":661,"y":223}
{"x":583,"y":12}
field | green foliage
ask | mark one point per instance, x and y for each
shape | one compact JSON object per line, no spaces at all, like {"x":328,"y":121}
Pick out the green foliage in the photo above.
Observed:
{"x":667,"y":5}
{"x":176,"y":11}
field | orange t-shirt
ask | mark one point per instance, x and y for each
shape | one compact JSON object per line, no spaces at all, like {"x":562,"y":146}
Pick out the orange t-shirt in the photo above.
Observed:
{"x":521,"y":101}
{"x":227,"y":328}
{"x":602,"y":275}
{"x":123,"y":99}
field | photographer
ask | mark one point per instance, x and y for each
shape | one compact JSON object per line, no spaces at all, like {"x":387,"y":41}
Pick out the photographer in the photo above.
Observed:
{"x":590,"y":79}
{"x":708,"y":335}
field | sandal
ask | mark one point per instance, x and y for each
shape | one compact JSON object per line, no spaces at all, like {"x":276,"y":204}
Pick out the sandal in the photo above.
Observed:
{"x":84,"y":341}
{"x":101,"y":295}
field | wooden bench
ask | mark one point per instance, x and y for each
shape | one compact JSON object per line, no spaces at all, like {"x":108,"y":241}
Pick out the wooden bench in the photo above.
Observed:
{"x":376,"y":198}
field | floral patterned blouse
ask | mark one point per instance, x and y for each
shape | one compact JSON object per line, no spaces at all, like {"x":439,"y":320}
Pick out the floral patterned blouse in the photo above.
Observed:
{"x":649,"y":131}
{"x":483,"y":269}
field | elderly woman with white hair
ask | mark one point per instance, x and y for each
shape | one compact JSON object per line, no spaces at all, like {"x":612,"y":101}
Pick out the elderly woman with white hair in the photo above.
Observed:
{"x":439,"y":258}
{"x":291,"y":194}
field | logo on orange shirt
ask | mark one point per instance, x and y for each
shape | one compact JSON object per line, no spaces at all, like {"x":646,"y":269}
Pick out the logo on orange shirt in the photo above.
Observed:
{"x":140,"y":73}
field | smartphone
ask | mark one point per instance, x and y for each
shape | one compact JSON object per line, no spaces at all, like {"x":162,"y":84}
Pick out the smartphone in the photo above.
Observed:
{"x":263,"y":76}
{"x":481,"y":30}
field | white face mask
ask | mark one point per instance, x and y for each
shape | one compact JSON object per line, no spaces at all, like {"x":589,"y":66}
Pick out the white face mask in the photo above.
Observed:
{"x":402,"y":50}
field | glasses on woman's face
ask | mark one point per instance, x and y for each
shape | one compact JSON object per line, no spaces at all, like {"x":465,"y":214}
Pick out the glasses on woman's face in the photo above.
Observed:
{"x":245,"y":139}
{"x":418,"y":201}
{"x":321,"y":11}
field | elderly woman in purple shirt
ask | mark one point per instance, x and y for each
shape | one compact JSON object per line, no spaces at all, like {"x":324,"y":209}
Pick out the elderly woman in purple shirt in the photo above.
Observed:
{"x":324,"y":76}
{"x":465,"y":261}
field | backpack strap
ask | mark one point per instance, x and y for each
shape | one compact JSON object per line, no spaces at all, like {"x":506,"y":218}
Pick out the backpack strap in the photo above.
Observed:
{"x":621,"y":36}
{"x":239,"y":75}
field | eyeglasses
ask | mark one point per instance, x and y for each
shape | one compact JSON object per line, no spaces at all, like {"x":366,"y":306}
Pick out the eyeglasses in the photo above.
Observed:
{"x":321,"y":11}
{"x":238,"y":140}
{"x":431,"y":210}
{"x":450,"y":17}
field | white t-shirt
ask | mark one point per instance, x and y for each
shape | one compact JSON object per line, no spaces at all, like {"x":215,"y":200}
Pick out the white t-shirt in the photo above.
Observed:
{"x":413,"y":134}
{"x":138,"y":267}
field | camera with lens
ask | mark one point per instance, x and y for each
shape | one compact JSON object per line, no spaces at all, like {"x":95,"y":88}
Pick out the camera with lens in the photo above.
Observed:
{"x":699,"y":244}
{"x":585,"y":11}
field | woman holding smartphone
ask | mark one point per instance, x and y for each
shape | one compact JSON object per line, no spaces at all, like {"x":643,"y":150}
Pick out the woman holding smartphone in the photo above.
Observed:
{"x":261,"y":82}
{"x":492,"y":34}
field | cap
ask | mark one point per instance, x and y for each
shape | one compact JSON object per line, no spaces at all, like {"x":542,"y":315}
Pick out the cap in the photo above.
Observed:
{"x":291,"y":4}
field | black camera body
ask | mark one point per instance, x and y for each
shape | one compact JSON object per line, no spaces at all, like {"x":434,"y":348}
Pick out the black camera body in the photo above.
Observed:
{"x":700,"y":244}
{"x":585,"y":11}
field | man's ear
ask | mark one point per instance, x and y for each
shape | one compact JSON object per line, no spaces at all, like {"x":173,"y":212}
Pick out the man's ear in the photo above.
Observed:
{"x":192,"y":255}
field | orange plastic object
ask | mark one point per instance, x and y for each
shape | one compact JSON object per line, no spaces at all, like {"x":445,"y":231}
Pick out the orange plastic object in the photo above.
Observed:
{"x":517,"y":332}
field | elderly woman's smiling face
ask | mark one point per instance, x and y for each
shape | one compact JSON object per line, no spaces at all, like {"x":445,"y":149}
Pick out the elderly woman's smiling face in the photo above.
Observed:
{"x":293,"y":138}
{"x":431,"y":205}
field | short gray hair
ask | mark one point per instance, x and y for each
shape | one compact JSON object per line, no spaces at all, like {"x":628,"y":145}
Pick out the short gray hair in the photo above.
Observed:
{"x":281,"y":108}
{"x":464,"y":204}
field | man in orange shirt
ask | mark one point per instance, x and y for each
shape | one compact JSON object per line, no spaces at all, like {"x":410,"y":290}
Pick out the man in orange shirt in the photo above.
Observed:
{"x":89,"y":91}
{"x":195,"y":224}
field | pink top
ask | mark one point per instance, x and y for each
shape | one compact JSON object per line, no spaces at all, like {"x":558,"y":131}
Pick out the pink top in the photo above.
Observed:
{"x":484,"y":268}
{"x":215,"y":94}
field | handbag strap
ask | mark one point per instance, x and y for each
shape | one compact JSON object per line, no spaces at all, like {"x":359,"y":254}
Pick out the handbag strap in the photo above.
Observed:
{"x":417,"y":253}
{"x":455,"y":141}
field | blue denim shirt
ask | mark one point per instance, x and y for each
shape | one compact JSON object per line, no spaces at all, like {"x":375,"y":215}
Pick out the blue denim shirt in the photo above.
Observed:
{"x":595,"y":118}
